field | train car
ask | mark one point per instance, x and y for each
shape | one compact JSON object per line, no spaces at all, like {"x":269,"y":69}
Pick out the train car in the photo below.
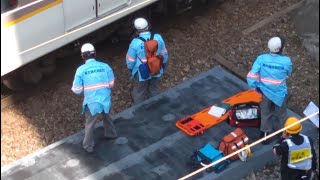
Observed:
{"x":31,"y":29}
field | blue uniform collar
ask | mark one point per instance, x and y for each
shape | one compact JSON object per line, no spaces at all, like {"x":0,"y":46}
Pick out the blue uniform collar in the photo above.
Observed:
{"x":90,"y":60}
{"x":274,"y":54}
{"x":143,"y":33}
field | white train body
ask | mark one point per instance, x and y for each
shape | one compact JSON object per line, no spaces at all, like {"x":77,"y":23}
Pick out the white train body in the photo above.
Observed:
{"x":31,"y":29}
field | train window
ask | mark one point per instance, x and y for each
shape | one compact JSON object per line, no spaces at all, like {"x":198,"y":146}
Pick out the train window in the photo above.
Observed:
{"x":7,"y":5}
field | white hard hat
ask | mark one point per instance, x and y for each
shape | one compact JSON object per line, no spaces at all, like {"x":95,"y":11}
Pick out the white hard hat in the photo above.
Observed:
{"x":274,"y":44}
{"x":140,"y":24}
{"x":87,"y":48}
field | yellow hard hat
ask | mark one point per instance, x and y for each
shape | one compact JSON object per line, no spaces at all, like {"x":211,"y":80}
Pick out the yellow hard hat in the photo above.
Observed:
{"x":294,"y":129}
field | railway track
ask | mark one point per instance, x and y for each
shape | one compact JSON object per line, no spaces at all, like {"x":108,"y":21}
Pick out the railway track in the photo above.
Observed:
{"x":8,"y":99}
{"x":43,"y":128}
{"x":16,"y":97}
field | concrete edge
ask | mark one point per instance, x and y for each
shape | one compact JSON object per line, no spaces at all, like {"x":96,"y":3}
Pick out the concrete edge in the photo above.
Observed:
{"x":260,"y":157}
{"x":75,"y":137}
{"x":257,"y":161}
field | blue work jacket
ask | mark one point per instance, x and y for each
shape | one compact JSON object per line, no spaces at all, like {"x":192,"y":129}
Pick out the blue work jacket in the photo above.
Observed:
{"x":269,"y":73}
{"x":136,"y":54}
{"x":95,"y":79}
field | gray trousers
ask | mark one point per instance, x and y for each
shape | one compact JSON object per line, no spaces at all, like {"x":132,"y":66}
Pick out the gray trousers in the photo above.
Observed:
{"x":272,"y":116}
{"x":109,"y":128}
{"x":143,"y":90}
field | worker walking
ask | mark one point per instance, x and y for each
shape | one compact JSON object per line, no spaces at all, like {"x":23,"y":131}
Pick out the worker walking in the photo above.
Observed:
{"x":268,"y":76}
{"x":95,"y":79}
{"x":145,"y":76}
{"x":298,"y":157}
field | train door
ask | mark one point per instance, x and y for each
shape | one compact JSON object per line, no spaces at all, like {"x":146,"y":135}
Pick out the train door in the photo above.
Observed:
{"x":109,"y":6}
{"x":78,"y":12}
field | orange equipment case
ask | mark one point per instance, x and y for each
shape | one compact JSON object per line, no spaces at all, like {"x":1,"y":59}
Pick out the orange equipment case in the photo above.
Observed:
{"x":197,"y":123}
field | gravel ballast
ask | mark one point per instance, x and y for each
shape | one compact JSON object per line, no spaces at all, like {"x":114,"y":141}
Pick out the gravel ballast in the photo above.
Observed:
{"x":192,"y":39}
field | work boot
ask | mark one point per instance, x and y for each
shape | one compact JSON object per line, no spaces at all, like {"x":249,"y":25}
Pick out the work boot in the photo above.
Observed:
{"x":86,"y":150}
{"x":108,"y":137}
{"x":264,"y":134}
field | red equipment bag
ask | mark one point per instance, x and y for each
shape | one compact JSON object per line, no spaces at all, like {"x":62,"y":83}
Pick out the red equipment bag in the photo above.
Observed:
{"x":233,"y":142}
{"x":245,"y":115}
{"x":154,"y":61}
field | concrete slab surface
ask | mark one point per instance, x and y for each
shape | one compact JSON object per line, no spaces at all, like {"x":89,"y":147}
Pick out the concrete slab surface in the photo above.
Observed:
{"x":149,"y":145}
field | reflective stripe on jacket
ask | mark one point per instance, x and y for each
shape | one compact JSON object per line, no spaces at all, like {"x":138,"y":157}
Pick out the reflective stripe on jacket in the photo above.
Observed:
{"x":95,"y":79}
{"x":299,"y":151}
{"x":269,"y":73}
{"x":136,"y":54}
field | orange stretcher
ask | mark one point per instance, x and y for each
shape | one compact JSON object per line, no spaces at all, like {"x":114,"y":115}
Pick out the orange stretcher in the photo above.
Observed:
{"x":196,"y":124}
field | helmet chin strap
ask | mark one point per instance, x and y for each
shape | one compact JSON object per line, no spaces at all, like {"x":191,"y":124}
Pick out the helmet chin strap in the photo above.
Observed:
{"x":138,"y":31}
{"x":283,"y":41}
{"x":281,"y":50}
{"x":87,"y":55}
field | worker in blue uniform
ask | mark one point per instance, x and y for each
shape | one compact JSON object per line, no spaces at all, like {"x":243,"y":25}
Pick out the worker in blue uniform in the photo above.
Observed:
{"x":268,"y":76}
{"x":94,"y":79}
{"x":298,"y":156}
{"x":144,"y":87}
